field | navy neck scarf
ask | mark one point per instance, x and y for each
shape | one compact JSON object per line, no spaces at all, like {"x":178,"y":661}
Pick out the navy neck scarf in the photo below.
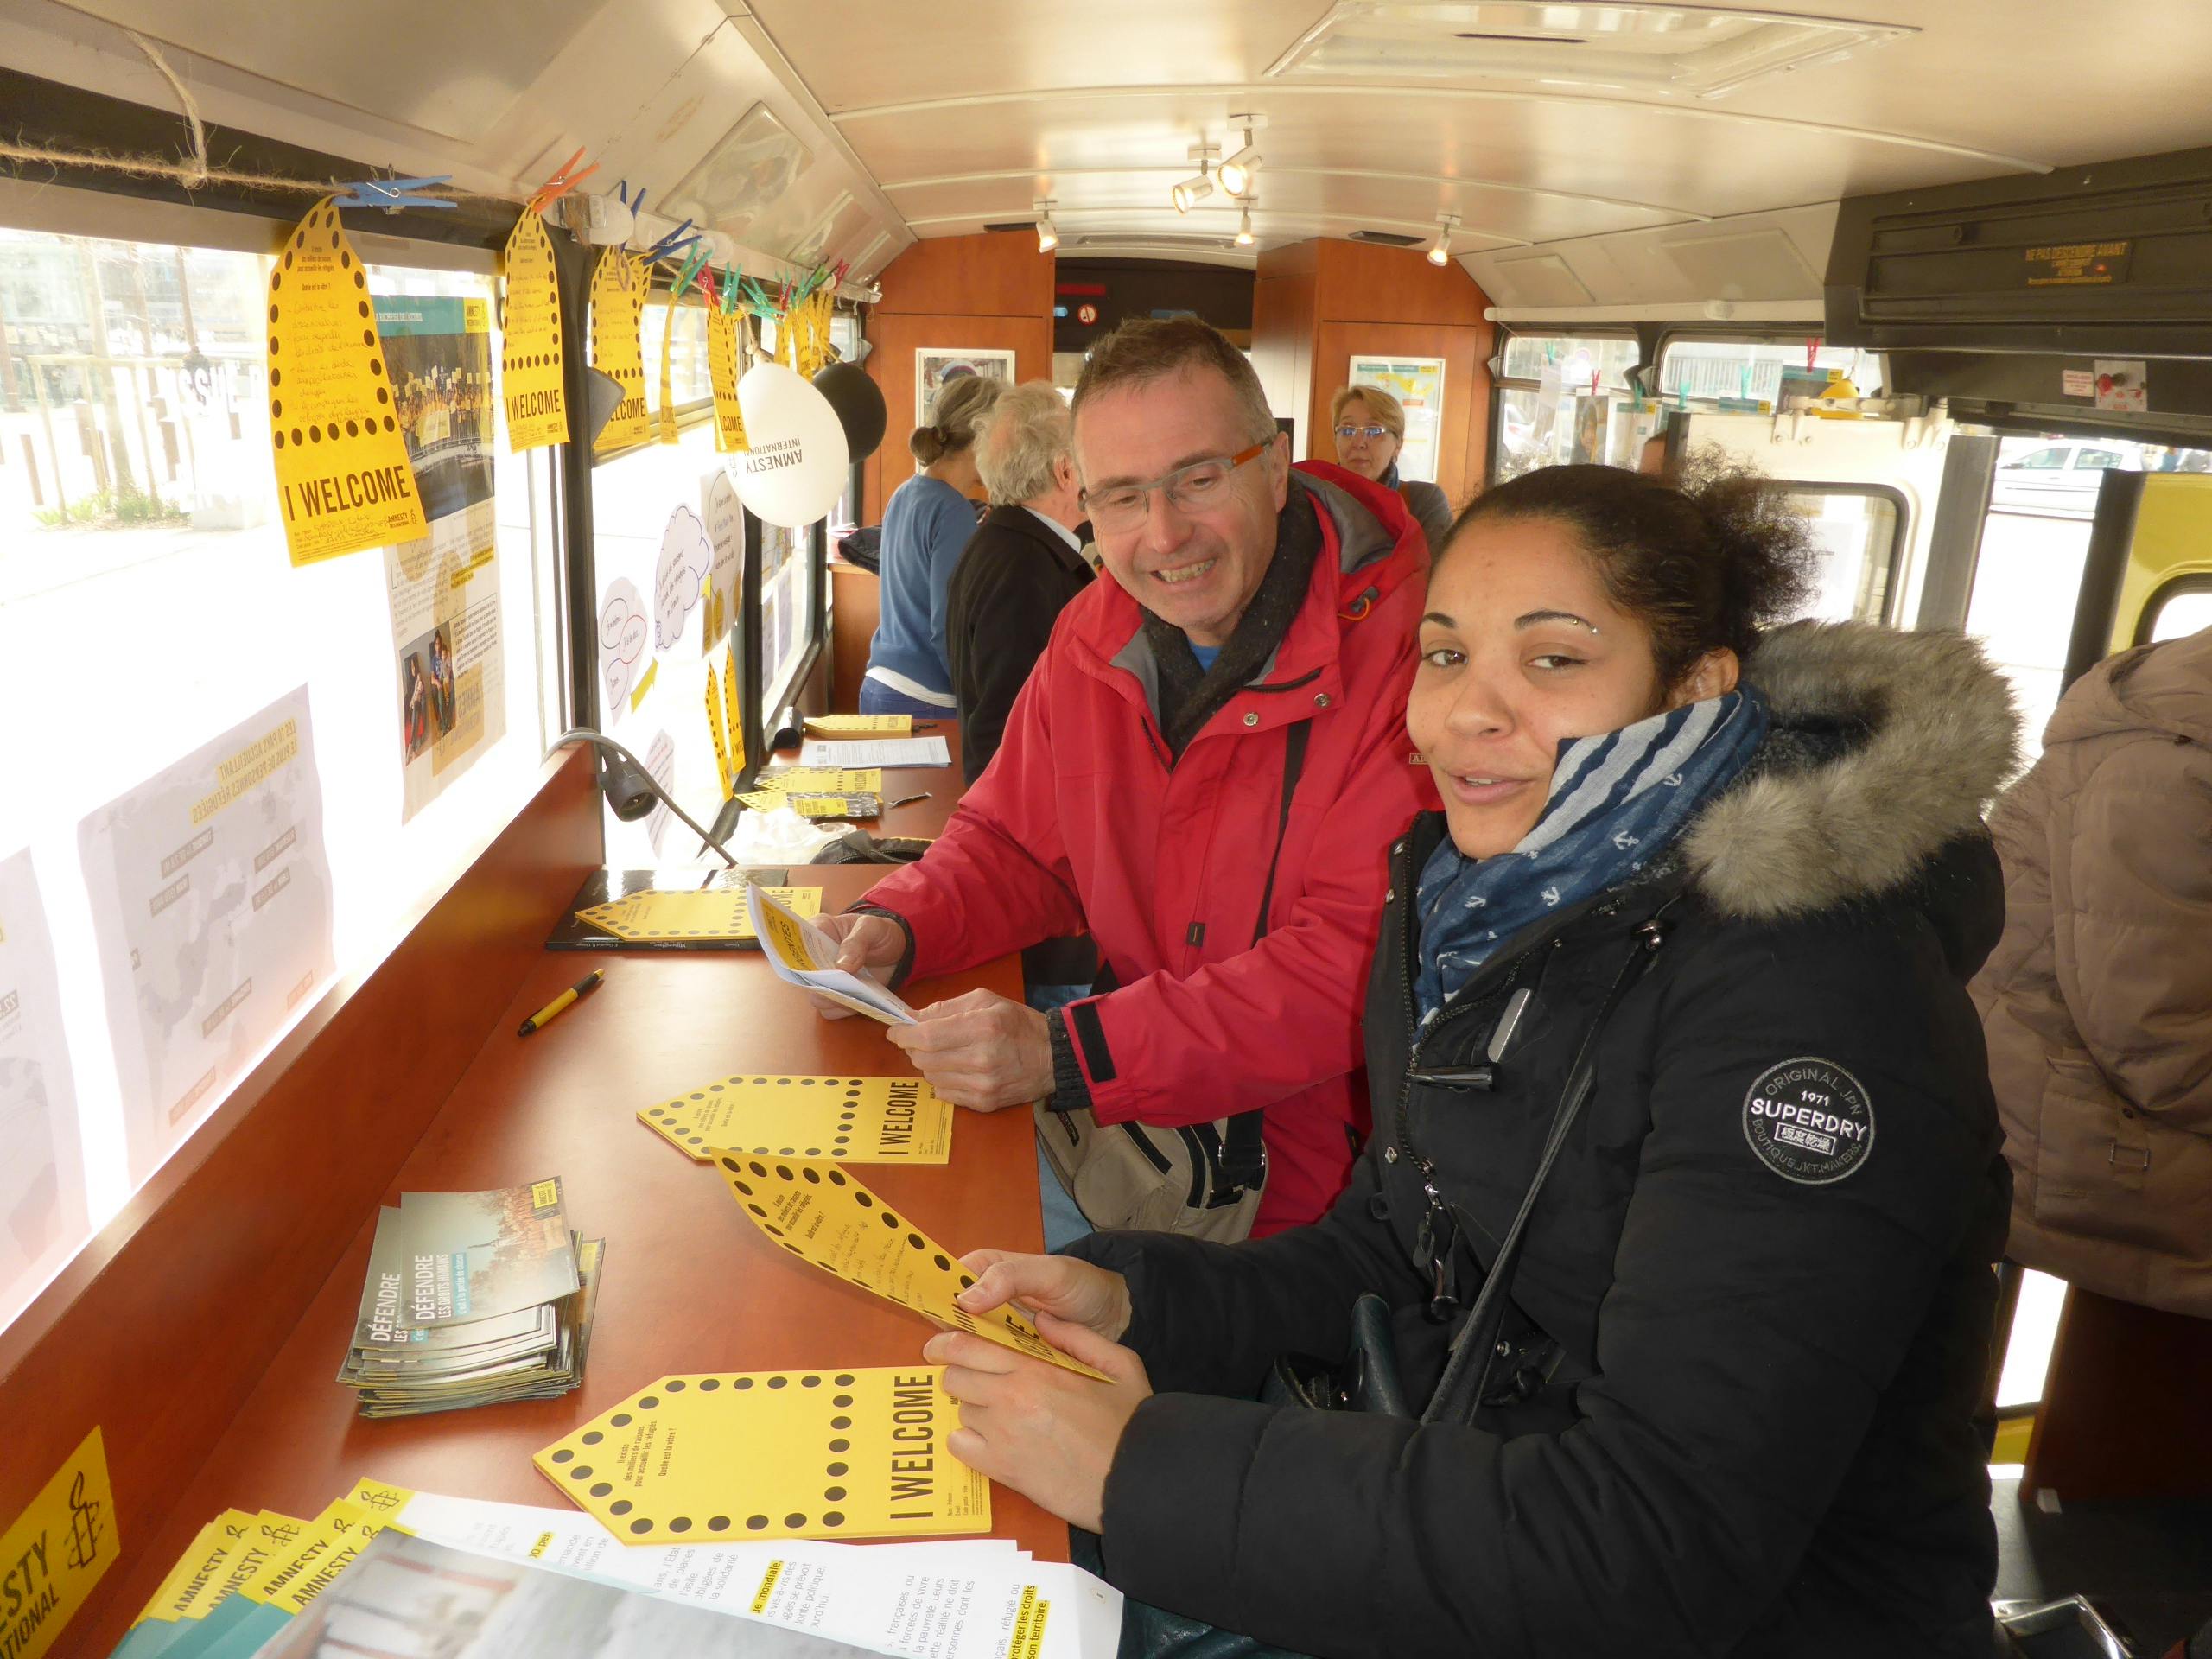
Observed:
{"x":1617,"y":801}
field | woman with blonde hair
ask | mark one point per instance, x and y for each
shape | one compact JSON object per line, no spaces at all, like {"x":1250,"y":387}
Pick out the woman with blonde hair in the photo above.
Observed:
{"x":929,"y":521}
{"x":1370,"y":431}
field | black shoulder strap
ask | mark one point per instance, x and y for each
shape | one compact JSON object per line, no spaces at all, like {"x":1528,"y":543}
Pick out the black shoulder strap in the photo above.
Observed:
{"x":1241,"y":1158}
{"x":1460,"y":1389}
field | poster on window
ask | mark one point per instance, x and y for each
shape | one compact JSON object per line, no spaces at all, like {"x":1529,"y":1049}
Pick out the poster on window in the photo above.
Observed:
{"x":42,"y":1215}
{"x":210,"y":893}
{"x":936,"y":367}
{"x":1417,"y":385}
{"x":444,"y":587}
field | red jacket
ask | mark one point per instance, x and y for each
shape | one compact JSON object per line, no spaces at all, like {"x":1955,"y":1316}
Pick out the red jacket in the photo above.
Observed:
{"x":1079,"y":822}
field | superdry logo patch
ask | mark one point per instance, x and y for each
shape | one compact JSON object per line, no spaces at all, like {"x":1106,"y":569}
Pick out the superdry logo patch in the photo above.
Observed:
{"x":1810,"y":1121}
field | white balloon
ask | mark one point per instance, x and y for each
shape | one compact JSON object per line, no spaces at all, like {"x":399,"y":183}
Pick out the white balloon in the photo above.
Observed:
{"x":797,"y":462}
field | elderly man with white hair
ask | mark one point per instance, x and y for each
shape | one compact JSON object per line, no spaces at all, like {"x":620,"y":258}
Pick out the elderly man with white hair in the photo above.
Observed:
{"x":1024,"y":562}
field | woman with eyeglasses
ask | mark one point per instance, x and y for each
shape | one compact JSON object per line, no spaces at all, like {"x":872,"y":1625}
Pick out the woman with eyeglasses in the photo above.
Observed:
{"x":1370,"y":430}
{"x":1664,"y":1284}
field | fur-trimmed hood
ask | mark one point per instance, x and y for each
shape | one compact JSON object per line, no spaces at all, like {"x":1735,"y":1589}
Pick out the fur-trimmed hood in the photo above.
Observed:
{"x":1884,"y":746}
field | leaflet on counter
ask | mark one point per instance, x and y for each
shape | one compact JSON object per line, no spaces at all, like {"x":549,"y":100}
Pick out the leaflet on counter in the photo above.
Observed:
{"x":803,"y":954}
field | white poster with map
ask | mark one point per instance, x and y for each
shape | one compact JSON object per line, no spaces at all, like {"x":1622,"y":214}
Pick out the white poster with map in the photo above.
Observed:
{"x":211,"y":905}
{"x":42,"y":1215}
{"x":1417,"y":385}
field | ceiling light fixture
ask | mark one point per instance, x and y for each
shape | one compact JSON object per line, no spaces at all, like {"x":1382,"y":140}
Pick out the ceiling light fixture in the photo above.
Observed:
{"x":1439,"y":252}
{"x":1048,"y":235}
{"x":1197,"y":188}
{"x":1235,"y":173}
{"x":1244,"y":236}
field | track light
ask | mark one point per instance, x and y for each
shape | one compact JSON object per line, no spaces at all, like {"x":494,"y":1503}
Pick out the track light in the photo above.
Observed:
{"x":1048,"y":235}
{"x":1439,"y":252}
{"x":1196,"y":188}
{"x":1244,"y":236}
{"x":1235,"y":173}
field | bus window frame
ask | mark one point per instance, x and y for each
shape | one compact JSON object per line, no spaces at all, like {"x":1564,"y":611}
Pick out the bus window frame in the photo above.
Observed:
{"x":1900,"y":529}
{"x":2193,"y":581}
{"x":1671,"y":334}
{"x":1500,"y":382}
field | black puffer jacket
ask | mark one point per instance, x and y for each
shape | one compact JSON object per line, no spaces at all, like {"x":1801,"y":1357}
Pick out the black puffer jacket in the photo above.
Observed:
{"x":1765,"y":1253}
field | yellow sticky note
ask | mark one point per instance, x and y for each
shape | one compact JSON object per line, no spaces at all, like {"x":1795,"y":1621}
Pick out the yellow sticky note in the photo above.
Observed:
{"x":715,"y":914}
{"x":700,"y":1459}
{"x":725,"y":365}
{"x":854,"y":1120}
{"x":644,"y":684}
{"x":860,"y":725}
{"x":343,"y":478}
{"x":618,"y":299}
{"x":667,"y":411}
{"x":57,"y":1550}
{"x":825,"y":780}
{"x":822,"y":1215}
{"x":530,"y":353}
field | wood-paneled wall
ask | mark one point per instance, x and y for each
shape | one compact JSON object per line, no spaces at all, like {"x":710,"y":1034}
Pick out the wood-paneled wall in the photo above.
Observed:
{"x":1319,"y":302}
{"x":949,"y":293}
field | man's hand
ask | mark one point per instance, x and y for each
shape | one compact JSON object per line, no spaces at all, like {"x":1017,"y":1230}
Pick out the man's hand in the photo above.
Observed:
{"x":864,"y":941}
{"x":1049,"y":1433}
{"x":981,"y":1051}
{"x":1078,"y":1292}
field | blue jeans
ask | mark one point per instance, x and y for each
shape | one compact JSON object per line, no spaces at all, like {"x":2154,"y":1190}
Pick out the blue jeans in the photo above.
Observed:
{"x":1064,"y":1222}
{"x":877,"y":698}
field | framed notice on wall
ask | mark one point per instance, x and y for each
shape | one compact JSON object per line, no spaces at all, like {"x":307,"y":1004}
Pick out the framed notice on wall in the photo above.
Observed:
{"x":1418,"y":383}
{"x":937,"y":366}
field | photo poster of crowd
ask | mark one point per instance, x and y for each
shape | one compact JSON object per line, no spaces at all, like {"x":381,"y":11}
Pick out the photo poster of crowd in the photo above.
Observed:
{"x":445,"y":587}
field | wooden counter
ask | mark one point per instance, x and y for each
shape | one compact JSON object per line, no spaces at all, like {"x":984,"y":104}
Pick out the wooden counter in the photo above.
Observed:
{"x":691,"y":1283}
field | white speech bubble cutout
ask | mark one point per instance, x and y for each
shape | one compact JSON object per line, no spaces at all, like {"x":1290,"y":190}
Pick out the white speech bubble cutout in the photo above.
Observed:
{"x":623,"y":631}
{"x":726,"y":535}
{"x":685,"y":554}
{"x":660,"y":766}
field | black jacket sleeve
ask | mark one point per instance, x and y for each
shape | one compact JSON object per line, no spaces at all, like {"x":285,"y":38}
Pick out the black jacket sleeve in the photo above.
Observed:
{"x":1004,"y":603}
{"x":1209,"y":1318}
{"x":1753,"y":1325}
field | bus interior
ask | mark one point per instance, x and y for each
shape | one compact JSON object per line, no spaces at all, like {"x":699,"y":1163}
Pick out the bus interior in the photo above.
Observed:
{"x":1943,"y":269}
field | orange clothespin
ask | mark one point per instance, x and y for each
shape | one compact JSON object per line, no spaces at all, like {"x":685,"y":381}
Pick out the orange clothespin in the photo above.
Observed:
{"x":561,"y":183}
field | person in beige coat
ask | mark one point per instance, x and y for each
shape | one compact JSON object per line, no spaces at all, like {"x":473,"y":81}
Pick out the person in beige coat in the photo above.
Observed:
{"x":2097,"y":1003}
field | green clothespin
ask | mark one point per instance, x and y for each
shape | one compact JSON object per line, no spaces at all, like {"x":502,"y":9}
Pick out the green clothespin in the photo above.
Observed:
{"x":694,"y":263}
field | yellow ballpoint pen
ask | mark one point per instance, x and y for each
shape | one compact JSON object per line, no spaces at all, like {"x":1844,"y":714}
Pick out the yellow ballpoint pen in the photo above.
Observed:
{"x":590,"y":982}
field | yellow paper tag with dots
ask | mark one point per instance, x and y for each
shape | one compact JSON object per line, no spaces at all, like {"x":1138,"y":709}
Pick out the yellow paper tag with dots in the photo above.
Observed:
{"x":730,"y":707}
{"x":715,"y":914}
{"x":701,"y":1459}
{"x":618,"y":300}
{"x":853,"y":1119}
{"x":821,"y":1214}
{"x":720,"y":733}
{"x":814,"y":806}
{"x":666,"y":413}
{"x":860,"y":725}
{"x":529,"y":352}
{"x":343,"y":478}
{"x":824,"y":780}
{"x":725,"y":365}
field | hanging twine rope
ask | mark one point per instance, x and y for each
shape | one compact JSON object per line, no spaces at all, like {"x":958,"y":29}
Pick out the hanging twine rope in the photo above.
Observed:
{"x":194,"y":172}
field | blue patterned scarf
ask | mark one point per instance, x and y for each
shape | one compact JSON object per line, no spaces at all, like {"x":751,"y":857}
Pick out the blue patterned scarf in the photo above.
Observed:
{"x":1617,"y":801}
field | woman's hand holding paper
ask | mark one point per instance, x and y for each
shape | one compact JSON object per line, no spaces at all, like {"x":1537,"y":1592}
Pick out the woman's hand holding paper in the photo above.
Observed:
{"x":1070,"y":1289}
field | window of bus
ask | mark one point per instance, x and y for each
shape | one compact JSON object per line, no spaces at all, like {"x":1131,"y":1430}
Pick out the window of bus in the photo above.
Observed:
{"x":1714,"y":373}
{"x":667,"y":557}
{"x":2035,"y":541}
{"x":1555,"y":395}
{"x":2181,"y":609}
{"x":1859,"y":531}
{"x":237,"y":778}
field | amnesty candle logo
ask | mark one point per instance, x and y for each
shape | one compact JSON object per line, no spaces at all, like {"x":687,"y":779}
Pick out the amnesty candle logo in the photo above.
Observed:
{"x":55,"y":1552}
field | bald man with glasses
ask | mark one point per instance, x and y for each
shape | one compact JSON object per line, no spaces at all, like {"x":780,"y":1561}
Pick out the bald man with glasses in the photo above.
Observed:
{"x":1204,"y":771}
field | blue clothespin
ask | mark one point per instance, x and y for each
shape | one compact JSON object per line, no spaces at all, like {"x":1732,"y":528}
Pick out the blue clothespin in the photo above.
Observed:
{"x":392,"y":195}
{"x":673,"y":243}
{"x":622,"y":192}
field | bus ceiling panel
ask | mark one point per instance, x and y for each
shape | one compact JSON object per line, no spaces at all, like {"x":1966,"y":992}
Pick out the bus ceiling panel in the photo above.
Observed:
{"x":2004,"y":77}
{"x":1701,"y":269}
{"x":1698,"y":160}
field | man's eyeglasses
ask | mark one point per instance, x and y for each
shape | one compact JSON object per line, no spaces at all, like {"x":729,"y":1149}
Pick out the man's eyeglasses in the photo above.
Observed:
{"x":1346,"y":434}
{"x":1194,"y":488}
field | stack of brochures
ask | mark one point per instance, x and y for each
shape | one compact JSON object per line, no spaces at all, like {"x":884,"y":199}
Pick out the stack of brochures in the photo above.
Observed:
{"x":473,"y":1299}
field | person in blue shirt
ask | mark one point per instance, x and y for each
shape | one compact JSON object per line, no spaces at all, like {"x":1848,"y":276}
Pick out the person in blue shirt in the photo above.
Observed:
{"x":925,"y":527}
